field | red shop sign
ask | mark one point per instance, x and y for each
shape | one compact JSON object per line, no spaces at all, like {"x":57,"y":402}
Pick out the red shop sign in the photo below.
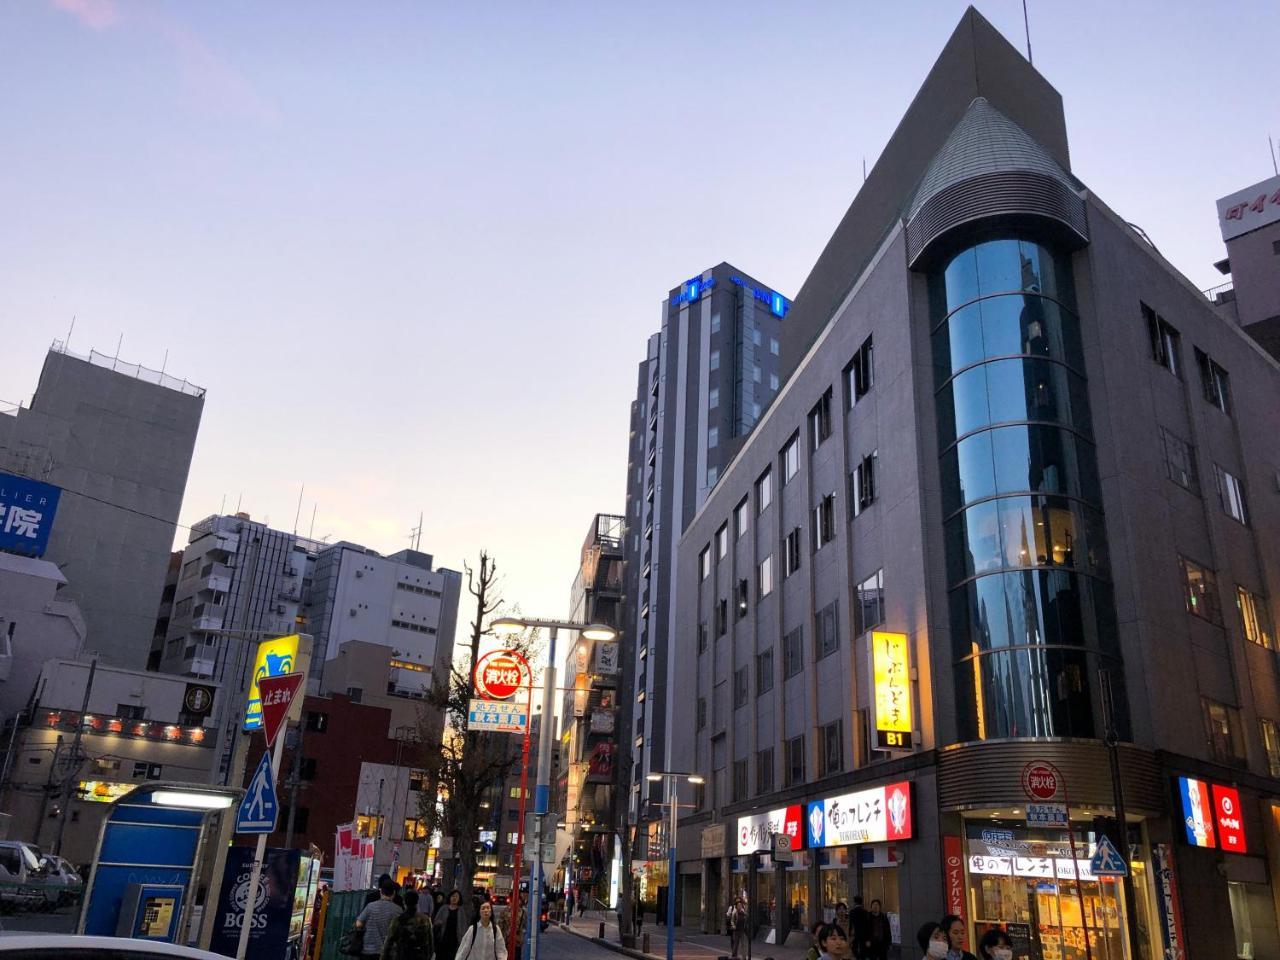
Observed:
{"x":953,"y":877}
{"x":1229,"y":818}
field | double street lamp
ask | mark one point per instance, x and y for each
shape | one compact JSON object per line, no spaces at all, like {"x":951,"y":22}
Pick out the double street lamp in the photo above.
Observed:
{"x":542,"y":790}
{"x":672,"y":780}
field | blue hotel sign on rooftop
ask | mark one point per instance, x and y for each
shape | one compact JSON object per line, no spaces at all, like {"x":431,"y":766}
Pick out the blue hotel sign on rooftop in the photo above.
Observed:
{"x":692,"y":290}
{"x":26,"y":514}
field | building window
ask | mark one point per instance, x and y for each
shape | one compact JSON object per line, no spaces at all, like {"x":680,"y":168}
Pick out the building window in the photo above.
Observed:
{"x":702,"y":712}
{"x":1165,"y":349}
{"x":702,"y":637}
{"x":713,"y":438}
{"x":704,"y":563}
{"x":1222,"y":723}
{"x":713,"y":398}
{"x":715,"y":323}
{"x":795,"y":761}
{"x":861,"y":372}
{"x":831,"y":748}
{"x":713,"y":474}
{"x":722,"y":541}
{"x":414,"y":829}
{"x":764,"y":672}
{"x":1180,"y":462}
{"x":1255,"y":619}
{"x":739,"y":780}
{"x":764,"y":579}
{"x":773,"y":382}
{"x":764,"y":491}
{"x":773,"y":345}
{"x":862,"y":490}
{"x":870,"y":607}
{"x":741,"y":519}
{"x":1271,"y":742}
{"x":791,"y":554}
{"x":824,"y":522}
{"x":355,"y":694}
{"x":792,"y":653}
{"x":301,"y":818}
{"x":1213,"y":381}
{"x":764,"y":770}
{"x":741,"y":687}
{"x":820,"y":421}
{"x":417,"y":780}
{"x":307,"y":768}
{"x":826,"y":638}
{"x":1230,"y":495}
{"x":1200,"y":590}
{"x":744,"y":598}
{"x":715,"y":360}
{"x":722,"y":617}
{"x":790,"y":460}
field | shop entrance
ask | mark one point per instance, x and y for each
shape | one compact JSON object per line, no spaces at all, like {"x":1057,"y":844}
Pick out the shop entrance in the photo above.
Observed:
{"x":1025,"y":881}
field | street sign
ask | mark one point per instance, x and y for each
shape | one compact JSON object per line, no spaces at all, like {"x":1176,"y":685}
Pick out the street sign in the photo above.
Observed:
{"x":276,"y":694}
{"x":259,"y":808}
{"x":497,"y":716}
{"x":500,"y":674}
{"x":781,"y":852}
{"x":1046,"y":814}
{"x":1041,"y":781}
{"x":1107,"y":861}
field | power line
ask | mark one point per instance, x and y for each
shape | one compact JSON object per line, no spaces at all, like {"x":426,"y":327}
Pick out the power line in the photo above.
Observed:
{"x":108,"y":503}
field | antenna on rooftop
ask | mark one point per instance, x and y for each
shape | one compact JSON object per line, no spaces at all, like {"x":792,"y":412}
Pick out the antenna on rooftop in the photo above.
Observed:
{"x":1027,"y":26}
{"x":119,"y":344}
{"x":72,"y":329}
{"x":298,"y":513}
{"x":1272,"y":147}
{"x":864,"y":169}
{"x":415,"y":533}
{"x":164,"y":365}
{"x":311,"y":534}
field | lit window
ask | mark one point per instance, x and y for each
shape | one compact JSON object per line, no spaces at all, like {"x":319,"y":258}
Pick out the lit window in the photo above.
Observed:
{"x":1222,"y":723}
{"x":1199,"y":590}
{"x":1254,"y":618}
{"x":1271,"y":741}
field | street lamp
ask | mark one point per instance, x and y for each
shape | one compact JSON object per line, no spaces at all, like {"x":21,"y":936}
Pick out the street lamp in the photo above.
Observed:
{"x":672,"y":779}
{"x":504,"y":626}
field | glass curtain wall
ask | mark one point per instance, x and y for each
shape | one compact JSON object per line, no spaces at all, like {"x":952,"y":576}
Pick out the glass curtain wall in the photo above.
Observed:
{"x":1032,"y":614}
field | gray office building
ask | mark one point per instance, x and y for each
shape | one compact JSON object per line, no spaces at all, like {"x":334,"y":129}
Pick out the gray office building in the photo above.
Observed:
{"x":707,"y":377}
{"x":118,"y":439}
{"x":1015,"y":502}
{"x":1249,"y":220}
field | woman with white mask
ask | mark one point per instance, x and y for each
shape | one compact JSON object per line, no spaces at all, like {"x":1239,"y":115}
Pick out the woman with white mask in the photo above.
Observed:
{"x":933,"y":941}
{"x":995,"y":945}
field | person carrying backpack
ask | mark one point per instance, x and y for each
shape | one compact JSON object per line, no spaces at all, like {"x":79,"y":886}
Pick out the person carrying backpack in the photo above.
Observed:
{"x":409,"y":937}
{"x":483,"y":940}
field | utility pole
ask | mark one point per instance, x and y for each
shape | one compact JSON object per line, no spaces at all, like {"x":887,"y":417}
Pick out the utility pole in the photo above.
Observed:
{"x":75,"y":759}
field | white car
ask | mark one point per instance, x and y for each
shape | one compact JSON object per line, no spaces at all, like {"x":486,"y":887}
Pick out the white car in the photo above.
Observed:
{"x":53,"y":946}
{"x":21,"y":876}
{"x":64,"y":880}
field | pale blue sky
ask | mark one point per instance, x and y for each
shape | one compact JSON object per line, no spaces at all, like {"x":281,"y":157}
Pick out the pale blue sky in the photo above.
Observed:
{"x":413,"y":250}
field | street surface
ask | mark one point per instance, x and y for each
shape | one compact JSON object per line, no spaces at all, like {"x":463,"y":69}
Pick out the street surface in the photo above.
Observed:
{"x":690,"y":945}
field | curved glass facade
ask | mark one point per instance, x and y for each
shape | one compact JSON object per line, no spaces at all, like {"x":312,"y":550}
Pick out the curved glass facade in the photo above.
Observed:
{"x":1032,"y":614}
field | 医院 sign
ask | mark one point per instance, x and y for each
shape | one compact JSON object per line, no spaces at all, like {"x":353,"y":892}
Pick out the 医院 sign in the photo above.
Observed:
{"x":26,"y":514}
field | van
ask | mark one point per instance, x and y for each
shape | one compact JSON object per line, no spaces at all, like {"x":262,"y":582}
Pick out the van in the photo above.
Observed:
{"x":22,"y":878}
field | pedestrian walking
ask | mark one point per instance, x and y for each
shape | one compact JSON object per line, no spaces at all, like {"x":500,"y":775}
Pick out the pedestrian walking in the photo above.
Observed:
{"x":736,"y":922}
{"x":933,"y":941}
{"x":832,"y":943}
{"x":812,"y":952}
{"x":569,"y":904}
{"x":639,"y":914}
{"x":410,"y":936}
{"x":451,"y":922}
{"x":953,"y":927}
{"x":859,"y":928}
{"x":375,"y":919}
{"x":995,"y":945}
{"x":879,"y":934}
{"x":483,"y":940}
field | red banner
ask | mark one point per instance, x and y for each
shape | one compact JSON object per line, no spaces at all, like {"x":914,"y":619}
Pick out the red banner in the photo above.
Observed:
{"x":953,"y":877}
{"x":1229,"y":818}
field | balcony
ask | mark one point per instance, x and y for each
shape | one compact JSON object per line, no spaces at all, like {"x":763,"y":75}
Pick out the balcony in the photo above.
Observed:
{"x":1222,"y":293}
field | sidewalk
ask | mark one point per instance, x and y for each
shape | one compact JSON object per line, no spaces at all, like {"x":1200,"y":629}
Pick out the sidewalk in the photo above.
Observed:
{"x":690,"y":944}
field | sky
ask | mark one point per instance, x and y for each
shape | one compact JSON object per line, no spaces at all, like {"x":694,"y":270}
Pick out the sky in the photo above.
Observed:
{"x":414,"y":250}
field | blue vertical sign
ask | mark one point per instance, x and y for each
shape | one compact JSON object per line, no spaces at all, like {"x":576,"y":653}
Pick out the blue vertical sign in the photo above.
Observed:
{"x":26,"y":514}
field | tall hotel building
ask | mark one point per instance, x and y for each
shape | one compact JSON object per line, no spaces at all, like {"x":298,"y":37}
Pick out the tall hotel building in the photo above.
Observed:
{"x":1019,"y":490}
{"x":706,"y":379}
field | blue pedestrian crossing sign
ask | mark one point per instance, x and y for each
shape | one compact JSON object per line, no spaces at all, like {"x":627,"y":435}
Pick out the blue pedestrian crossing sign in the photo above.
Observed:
{"x":1107,"y":861}
{"x":259,"y":808}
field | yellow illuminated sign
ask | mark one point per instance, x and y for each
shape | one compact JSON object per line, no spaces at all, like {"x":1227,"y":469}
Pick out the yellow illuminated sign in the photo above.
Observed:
{"x":891,"y":668}
{"x":275,"y":657}
{"x":102,"y":791}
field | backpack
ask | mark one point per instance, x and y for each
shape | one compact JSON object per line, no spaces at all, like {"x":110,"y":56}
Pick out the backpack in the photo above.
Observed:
{"x":411,"y":939}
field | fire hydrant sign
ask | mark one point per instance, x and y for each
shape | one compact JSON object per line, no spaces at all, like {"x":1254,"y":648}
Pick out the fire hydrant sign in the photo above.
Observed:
{"x":501,"y":674}
{"x":497,"y":716}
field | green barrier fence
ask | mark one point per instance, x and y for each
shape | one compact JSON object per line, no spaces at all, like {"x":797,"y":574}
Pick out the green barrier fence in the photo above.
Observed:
{"x":339,"y":918}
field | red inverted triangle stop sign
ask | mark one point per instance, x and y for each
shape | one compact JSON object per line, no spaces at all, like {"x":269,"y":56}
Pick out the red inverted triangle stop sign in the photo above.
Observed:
{"x":277,"y":694}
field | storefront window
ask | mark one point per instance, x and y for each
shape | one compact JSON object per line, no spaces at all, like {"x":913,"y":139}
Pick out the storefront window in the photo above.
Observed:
{"x":833,"y":880}
{"x":1025,"y":881}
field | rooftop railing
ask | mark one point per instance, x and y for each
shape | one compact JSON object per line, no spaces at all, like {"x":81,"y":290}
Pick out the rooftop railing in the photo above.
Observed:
{"x":134,"y":370}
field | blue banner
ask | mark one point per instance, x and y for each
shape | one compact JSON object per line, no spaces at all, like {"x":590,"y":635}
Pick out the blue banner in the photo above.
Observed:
{"x":26,"y":514}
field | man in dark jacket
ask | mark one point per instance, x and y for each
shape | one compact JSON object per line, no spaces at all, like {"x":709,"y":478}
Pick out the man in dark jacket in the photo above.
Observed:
{"x":879,"y":934}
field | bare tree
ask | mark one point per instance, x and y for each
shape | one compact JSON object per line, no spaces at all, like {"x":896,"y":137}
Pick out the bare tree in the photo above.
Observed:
{"x":468,"y":765}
